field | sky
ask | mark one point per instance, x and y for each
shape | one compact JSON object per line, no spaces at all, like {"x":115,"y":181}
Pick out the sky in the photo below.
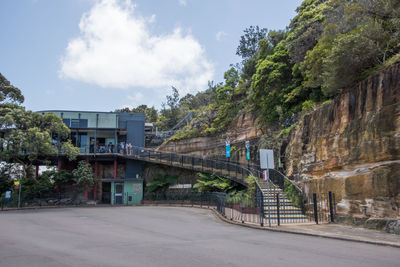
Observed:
{"x":103,"y":55}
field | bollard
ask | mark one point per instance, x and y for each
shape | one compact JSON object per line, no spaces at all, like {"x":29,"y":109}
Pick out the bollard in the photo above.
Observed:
{"x":315,"y":208}
{"x":331,"y":206}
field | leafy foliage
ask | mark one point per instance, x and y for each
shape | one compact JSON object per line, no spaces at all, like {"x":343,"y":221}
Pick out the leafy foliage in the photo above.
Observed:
{"x":214,"y":183}
{"x":248,"y":44}
{"x":63,"y":177}
{"x":7,"y":174}
{"x":161,"y":183}
{"x":293,"y":194}
{"x":70,"y":150}
{"x":26,"y":135}
{"x":83,"y":176}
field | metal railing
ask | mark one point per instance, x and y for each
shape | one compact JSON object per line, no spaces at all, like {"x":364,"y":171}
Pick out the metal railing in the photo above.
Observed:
{"x":227,"y":169}
{"x":235,"y":208}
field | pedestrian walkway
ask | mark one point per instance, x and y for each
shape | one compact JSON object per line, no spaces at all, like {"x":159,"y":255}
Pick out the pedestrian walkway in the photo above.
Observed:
{"x":345,"y":232}
{"x":331,"y":230}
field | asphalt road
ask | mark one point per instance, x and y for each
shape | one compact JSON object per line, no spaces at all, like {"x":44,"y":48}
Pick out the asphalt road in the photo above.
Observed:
{"x":165,"y":236}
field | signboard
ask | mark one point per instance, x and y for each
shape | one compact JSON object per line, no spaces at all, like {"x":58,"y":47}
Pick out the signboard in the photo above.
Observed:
{"x":228,"y":148}
{"x":265,"y":175}
{"x":247,"y":144}
{"x":8,"y":194}
{"x":16,"y":183}
{"x":266,"y":159}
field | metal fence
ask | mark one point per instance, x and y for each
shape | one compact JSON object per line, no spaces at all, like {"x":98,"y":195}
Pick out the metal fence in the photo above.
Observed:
{"x":321,"y":207}
{"x":38,"y":199}
{"x":237,"y":208}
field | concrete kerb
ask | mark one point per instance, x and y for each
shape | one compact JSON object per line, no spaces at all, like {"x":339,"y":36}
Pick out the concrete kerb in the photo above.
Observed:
{"x":222,"y":218}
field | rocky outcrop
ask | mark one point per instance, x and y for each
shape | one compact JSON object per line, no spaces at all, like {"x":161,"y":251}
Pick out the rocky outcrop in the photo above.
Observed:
{"x":351,"y":147}
{"x":242,"y":128}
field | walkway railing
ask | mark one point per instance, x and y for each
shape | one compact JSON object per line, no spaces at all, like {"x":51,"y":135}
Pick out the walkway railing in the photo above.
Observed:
{"x":226,"y":169}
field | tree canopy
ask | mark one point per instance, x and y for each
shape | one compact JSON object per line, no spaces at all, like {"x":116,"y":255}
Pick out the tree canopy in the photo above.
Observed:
{"x":26,"y":136}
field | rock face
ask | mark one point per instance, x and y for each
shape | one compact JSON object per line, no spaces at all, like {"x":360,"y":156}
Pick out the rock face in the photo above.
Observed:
{"x":242,"y":128}
{"x":351,"y":147}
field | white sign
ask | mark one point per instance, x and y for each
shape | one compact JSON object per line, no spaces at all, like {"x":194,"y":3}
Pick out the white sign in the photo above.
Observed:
{"x":266,"y":159}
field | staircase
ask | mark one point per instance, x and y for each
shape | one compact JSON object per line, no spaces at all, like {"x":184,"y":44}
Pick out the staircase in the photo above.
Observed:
{"x":287,"y":211}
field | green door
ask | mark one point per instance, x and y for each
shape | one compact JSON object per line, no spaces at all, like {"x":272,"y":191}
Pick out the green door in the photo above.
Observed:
{"x":119,"y":196}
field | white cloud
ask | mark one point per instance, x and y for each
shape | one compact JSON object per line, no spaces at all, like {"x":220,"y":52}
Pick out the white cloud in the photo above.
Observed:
{"x":220,"y":35}
{"x":137,"y":97}
{"x":117,"y":50}
{"x":182,"y":2}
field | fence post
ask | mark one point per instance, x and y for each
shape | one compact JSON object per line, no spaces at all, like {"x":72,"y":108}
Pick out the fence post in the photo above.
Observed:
{"x":277,"y":209}
{"x":331,"y":206}
{"x":261,"y":206}
{"x":334,"y":203}
{"x":315,"y":208}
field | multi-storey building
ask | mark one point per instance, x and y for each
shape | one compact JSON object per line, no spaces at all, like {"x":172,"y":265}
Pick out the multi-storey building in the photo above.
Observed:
{"x":105,"y":140}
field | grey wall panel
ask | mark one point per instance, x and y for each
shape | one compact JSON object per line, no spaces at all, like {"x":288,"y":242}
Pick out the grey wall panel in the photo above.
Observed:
{"x":133,"y":168}
{"x":135,"y":133}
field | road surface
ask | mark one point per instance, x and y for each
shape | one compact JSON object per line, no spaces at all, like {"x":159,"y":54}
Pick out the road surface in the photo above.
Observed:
{"x":165,"y":236}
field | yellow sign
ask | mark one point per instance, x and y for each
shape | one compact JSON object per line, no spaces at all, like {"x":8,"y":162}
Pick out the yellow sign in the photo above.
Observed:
{"x":16,"y":182}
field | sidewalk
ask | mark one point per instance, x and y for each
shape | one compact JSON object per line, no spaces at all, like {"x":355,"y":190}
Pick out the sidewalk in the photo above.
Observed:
{"x":344,"y":232}
{"x":330,"y":230}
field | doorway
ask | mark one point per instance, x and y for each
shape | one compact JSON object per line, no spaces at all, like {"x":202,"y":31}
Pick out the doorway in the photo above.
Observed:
{"x":119,"y":193}
{"x":106,"y":193}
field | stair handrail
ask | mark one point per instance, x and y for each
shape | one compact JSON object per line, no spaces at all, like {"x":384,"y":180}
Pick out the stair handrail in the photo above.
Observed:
{"x":255,"y":166}
{"x":234,"y":164}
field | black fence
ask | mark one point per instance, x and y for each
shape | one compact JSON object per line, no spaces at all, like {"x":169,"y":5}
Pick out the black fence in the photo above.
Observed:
{"x":321,"y":207}
{"x":38,"y":199}
{"x":239,"y":208}
{"x":227,"y":169}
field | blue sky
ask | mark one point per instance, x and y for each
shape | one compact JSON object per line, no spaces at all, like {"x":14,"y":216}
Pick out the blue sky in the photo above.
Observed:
{"x":107,"y":54}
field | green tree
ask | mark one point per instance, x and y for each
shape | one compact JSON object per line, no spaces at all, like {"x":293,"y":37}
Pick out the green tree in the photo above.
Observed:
{"x":63,"y":177}
{"x":248,"y":44}
{"x":170,"y":113}
{"x":83,"y":175}
{"x":26,"y":136}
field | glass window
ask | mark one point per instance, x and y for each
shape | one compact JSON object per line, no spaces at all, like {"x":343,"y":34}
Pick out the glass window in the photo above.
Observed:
{"x":74,"y":123}
{"x":83,"y":123}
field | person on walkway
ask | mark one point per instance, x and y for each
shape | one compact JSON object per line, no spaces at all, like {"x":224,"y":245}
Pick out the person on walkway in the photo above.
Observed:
{"x":121,"y":148}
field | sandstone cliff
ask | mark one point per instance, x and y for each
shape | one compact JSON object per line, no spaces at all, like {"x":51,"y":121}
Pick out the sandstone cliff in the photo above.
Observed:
{"x":351,"y":147}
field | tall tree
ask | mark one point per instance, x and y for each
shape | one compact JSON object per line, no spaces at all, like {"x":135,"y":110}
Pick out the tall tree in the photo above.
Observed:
{"x":26,"y":136}
{"x":248,"y":44}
